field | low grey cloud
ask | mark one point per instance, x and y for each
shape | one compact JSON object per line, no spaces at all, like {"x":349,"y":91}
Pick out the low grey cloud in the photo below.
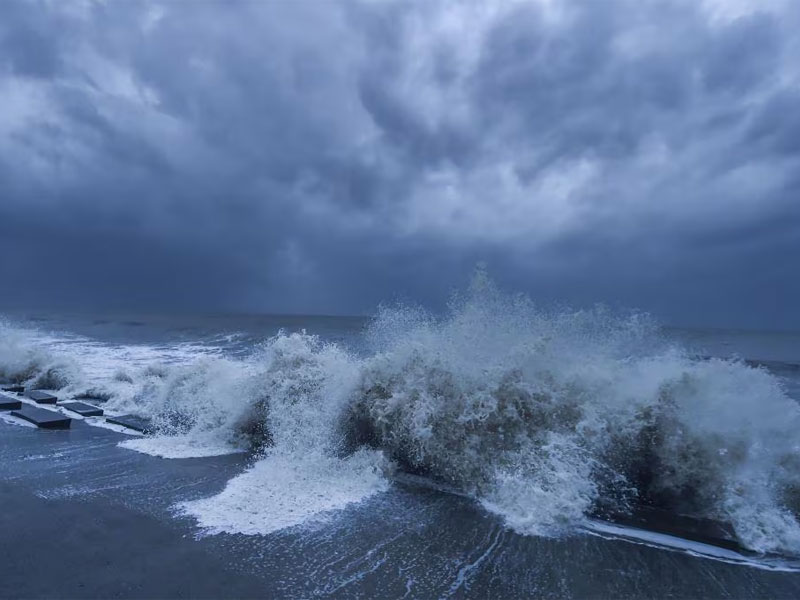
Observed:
{"x":327,"y":156}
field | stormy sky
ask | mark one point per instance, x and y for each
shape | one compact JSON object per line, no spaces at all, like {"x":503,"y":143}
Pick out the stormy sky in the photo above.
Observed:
{"x":322,"y":157}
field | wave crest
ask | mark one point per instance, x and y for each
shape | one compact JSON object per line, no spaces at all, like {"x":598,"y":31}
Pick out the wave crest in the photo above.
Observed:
{"x":548,"y":418}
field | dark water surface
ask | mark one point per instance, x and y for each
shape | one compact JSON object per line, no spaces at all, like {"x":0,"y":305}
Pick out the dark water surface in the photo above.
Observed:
{"x":84,"y":518}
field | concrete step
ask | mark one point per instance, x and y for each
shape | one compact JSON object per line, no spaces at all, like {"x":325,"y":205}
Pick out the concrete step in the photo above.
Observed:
{"x":133,"y":422}
{"x":41,"y":417}
{"x":42,"y":397}
{"x":7,"y":403}
{"x":83,"y":409}
{"x":12,"y":387}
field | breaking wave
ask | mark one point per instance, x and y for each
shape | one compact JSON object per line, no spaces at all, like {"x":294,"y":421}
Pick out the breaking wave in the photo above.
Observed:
{"x":546,"y":418}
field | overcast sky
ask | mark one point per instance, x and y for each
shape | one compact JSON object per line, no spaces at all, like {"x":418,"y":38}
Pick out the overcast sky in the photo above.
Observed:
{"x":322,"y":156}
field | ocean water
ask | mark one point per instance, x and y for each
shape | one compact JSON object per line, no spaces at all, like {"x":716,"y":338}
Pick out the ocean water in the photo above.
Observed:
{"x":556,"y":423}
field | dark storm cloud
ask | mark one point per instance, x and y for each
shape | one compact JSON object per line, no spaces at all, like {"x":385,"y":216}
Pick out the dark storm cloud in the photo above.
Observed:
{"x":27,"y":43}
{"x":326,"y":156}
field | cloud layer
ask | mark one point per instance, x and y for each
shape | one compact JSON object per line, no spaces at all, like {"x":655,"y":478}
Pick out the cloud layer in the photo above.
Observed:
{"x":326,"y":156}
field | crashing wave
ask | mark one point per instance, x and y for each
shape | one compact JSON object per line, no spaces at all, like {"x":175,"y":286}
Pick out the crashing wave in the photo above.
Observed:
{"x":33,"y":364}
{"x":546,"y":418}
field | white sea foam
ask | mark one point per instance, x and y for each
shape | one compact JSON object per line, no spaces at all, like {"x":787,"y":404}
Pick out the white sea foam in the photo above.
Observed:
{"x":284,"y":490}
{"x":182,"y":446}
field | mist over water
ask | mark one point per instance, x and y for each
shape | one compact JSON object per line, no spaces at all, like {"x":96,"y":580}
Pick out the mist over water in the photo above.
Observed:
{"x":546,"y":418}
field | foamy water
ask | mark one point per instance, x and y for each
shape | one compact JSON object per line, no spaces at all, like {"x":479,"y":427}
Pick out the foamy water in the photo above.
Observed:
{"x":282,"y":491}
{"x":545,"y":418}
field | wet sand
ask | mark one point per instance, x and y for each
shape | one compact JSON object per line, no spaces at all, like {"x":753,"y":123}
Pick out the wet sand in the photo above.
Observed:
{"x":74,"y":548}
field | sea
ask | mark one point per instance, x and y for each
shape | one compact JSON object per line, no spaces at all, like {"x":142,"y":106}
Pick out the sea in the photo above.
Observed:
{"x":493,"y":449}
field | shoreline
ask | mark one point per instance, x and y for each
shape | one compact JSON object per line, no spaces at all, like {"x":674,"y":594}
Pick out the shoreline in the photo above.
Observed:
{"x":89,"y":519}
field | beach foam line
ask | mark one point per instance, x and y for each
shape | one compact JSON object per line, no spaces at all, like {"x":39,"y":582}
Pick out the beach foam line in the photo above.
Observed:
{"x":673,"y":543}
{"x":181,"y":446}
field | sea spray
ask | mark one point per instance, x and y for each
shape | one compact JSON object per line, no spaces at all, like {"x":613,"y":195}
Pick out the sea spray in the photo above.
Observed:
{"x":547,"y":418}
{"x":300,"y":392}
{"x":33,"y":364}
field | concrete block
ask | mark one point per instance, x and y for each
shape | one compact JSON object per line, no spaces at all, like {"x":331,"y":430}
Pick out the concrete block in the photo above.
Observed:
{"x":132,"y":422}
{"x":7,"y":403}
{"x":42,"y":397}
{"x":83,"y":409}
{"x":41,"y":417}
